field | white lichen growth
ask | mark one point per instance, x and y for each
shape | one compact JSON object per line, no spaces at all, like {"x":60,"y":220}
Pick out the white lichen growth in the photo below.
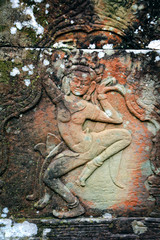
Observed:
{"x":101,"y":54}
{"x":107,"y":216}
{"x":137,"y":51}
{"x":48,"y":51}
{"x":108,"y":46}
{"x":15,"y":3}
{"x":153,"y":22}
{"x":157,"y":58}
{"x":62,"y":45}
{"x":136,"y":31}
{"x":13,"y":30}
{"x":46,"y":10}
{"x":18,"y":25}
{"x":38,"y":1}
{"x":148,"y":15}
{"x":135,"y":7}
{"x":28,"y":69}
{"x":45,"y":231}
{"x":30,"y":72}
{"x":141,"y":6}
{"x":140,"y":28}
{"x":32,"y":22}
{"x":27,"y":82}
{"x":45,"y":62}
{"x":92,"y":46}
{"x":25,"y":69}
{"x":4,"y":212}
{"x":155,"y":44}
{"x":31,"y":66}
{"x":10,"y":230}
{"x":138,"y":227}
{"x":15,"y":71}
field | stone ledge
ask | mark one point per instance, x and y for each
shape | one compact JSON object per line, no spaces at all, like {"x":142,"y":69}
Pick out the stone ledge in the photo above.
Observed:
{"x":81,"y":228}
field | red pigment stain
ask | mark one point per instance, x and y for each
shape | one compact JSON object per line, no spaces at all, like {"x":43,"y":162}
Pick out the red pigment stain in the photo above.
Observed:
{"x":141,"y":137}
{"x":115,"y":68}
{"x":44,"y":121}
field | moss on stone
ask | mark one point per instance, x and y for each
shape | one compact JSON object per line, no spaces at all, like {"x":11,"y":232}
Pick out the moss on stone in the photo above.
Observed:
{"x":31,"y":34}
{"x":5,"y":68}
{"x":2,"y":28}
{"x":2,"y":2}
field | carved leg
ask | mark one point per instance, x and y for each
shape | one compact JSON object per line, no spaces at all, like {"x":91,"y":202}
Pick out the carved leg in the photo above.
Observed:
{"x":99,"y":160}
{"x":51,"y":178}
{"x":87,"y":171}
{"x":73,"y":204}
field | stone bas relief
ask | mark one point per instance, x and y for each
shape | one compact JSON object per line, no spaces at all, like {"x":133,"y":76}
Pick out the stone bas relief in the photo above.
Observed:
{"x":80,"y":129}
{"x":83,"y":114}
{"x":85,"y":147}
{"x":98,"y":158}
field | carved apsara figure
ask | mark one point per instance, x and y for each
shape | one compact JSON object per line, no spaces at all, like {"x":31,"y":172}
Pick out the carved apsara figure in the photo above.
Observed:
{"x":90,"y":148}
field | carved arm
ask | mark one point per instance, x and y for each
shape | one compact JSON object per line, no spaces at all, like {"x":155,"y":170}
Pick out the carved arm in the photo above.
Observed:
{"x":52,"y":91}
{"x":109,"y":110}
{"x":57,"y":97}
{"x":107,"y":107}
{"x":93,"y":112}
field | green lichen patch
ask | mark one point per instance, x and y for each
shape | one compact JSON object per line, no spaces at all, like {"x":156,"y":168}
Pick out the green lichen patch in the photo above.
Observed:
{"x":2,"y":28}
{"x":30,"y":33}
{"x":5,"y":68}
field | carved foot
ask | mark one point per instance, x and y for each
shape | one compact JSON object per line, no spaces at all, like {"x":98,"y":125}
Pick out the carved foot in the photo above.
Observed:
{"x":80,"y":182}
{"x":86,"y":173}
{"x":43,"y":202}
{"x":31,"y":197}
{"x":74,"y":212}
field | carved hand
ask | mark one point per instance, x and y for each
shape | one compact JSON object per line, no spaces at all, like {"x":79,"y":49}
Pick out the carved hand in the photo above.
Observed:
{"x":102,"y":89}
{"x":105,"y":85}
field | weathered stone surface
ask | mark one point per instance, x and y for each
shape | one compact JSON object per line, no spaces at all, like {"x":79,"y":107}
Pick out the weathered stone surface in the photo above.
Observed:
{"x":80,"y":125}
{"x":88,"y":228}
{"x":137,"y":76}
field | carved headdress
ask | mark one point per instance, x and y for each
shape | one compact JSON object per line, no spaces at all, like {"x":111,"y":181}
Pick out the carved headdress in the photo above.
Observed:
{"x":84,"y":21}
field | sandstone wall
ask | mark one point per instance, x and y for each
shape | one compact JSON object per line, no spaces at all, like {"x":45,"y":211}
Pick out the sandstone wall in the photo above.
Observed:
{"x":79,"y":119}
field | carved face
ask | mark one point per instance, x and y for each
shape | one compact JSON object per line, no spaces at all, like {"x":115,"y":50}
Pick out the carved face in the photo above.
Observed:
{"x":80,"y":83}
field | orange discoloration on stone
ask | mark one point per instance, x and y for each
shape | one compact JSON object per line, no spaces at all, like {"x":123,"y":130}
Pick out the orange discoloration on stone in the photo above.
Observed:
{"x":115,"y":68}
{"x":44,"y":121}
{"x":58,"y":53}
{"x":137,"y":193}
{"x":98,"y":37}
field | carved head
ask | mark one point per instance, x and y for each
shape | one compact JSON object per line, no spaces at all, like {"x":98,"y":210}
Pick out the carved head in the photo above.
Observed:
{"x":81,"y":74}
{"x":78,"y":81}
